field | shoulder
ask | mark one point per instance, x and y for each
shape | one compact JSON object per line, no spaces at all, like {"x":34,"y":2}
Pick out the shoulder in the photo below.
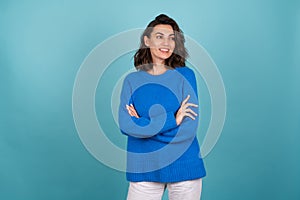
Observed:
{"x":132,"y":76}
{"x":187,"y":72}
{"x":188,"y":76}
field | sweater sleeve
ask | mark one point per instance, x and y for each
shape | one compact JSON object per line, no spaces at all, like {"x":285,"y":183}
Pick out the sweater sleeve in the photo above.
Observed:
{"x":143,"y":127}
{"x":188,"y":128}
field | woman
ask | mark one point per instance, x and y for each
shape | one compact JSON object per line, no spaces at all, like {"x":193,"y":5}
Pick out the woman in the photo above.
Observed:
{"x":158,"y":112}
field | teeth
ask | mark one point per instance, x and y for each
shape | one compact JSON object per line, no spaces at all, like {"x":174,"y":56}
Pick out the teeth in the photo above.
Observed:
{"x":166,"y":50}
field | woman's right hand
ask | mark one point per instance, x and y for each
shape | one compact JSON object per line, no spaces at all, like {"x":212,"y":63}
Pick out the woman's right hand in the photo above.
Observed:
{"x":185,"y":111}
{"x":131,"y":111}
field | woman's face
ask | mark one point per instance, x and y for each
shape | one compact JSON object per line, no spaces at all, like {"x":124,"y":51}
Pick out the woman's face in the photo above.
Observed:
{"x":161,"y":43}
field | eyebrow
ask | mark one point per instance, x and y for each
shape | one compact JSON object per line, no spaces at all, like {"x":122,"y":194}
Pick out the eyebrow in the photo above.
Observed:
{"x":163,"y":34}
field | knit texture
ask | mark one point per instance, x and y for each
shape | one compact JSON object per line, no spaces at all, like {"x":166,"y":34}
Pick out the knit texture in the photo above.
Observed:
{"x":159,"y":150}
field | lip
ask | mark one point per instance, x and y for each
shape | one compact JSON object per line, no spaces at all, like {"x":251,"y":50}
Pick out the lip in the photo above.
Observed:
{"x":164,"y":50}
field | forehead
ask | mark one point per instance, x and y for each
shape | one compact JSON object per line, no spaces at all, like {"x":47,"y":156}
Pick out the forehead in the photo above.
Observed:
{"x":164,"y":29}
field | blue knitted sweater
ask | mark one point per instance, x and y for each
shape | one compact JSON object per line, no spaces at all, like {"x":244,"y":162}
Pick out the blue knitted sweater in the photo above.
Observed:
{"x":159,"y":150}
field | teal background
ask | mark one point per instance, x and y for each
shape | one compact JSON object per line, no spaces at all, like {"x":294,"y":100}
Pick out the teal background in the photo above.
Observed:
{"x":254,"y":43}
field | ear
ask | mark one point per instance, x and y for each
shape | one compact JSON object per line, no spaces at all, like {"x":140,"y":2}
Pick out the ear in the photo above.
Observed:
{"x":146,"y":41}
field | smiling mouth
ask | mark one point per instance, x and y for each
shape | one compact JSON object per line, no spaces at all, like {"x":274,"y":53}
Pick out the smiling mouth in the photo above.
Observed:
{"x":164,"y":50}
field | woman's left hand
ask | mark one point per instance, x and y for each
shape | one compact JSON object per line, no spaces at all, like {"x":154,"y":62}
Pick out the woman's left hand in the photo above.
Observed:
{"x":185,"y":111}
{"x":131,"y":111}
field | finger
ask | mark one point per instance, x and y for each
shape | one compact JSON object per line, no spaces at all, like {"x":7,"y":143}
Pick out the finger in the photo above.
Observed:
{"x":186,"y":99}
{"x":190,"y":116}
{"x":132,"y":107}
{"x":133,"y":110}
{"x":191,"y":104}
{"x":128,"y":110}
{"x":136,"y":115}
{"x":127,"y":107}
{"x":130,"y":113}
{"x":133,"y":114}
{"x":185,"y":106}
{"x":191,"y":111}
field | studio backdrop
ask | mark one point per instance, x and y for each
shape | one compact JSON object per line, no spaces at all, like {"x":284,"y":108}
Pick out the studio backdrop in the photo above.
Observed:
{"x":254,"y":46}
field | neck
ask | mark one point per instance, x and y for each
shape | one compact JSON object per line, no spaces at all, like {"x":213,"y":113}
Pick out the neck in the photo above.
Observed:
{"x":158,"y":68}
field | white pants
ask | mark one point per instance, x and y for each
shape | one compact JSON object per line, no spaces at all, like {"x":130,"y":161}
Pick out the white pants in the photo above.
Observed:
{"x":185,"y":190}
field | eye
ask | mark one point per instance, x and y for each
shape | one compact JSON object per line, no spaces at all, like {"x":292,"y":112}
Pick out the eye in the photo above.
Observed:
{"x":172,"y":38}
{"x":159,"y":37}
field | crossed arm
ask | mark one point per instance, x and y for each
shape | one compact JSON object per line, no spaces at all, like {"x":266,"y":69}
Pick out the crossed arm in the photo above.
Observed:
{"x":159,"y":127}
{"x":183,"y":111}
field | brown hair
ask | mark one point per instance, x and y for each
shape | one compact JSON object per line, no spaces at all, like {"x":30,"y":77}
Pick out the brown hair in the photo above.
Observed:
{"x":143,"y":58}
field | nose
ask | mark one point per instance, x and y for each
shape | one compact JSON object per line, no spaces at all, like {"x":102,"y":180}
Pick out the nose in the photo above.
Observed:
{"x":166,"y":41}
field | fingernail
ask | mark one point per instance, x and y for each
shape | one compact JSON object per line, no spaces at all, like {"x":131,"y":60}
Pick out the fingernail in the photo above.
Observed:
{"x":131,"y":104}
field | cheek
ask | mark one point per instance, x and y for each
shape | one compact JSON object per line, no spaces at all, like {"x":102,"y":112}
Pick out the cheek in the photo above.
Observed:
{"x":154,"y":51}
{"x":172,"y":46}
{"x":155,"y":43}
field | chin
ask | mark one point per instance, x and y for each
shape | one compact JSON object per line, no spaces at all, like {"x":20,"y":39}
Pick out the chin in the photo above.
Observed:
{"x":165,"y":56}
